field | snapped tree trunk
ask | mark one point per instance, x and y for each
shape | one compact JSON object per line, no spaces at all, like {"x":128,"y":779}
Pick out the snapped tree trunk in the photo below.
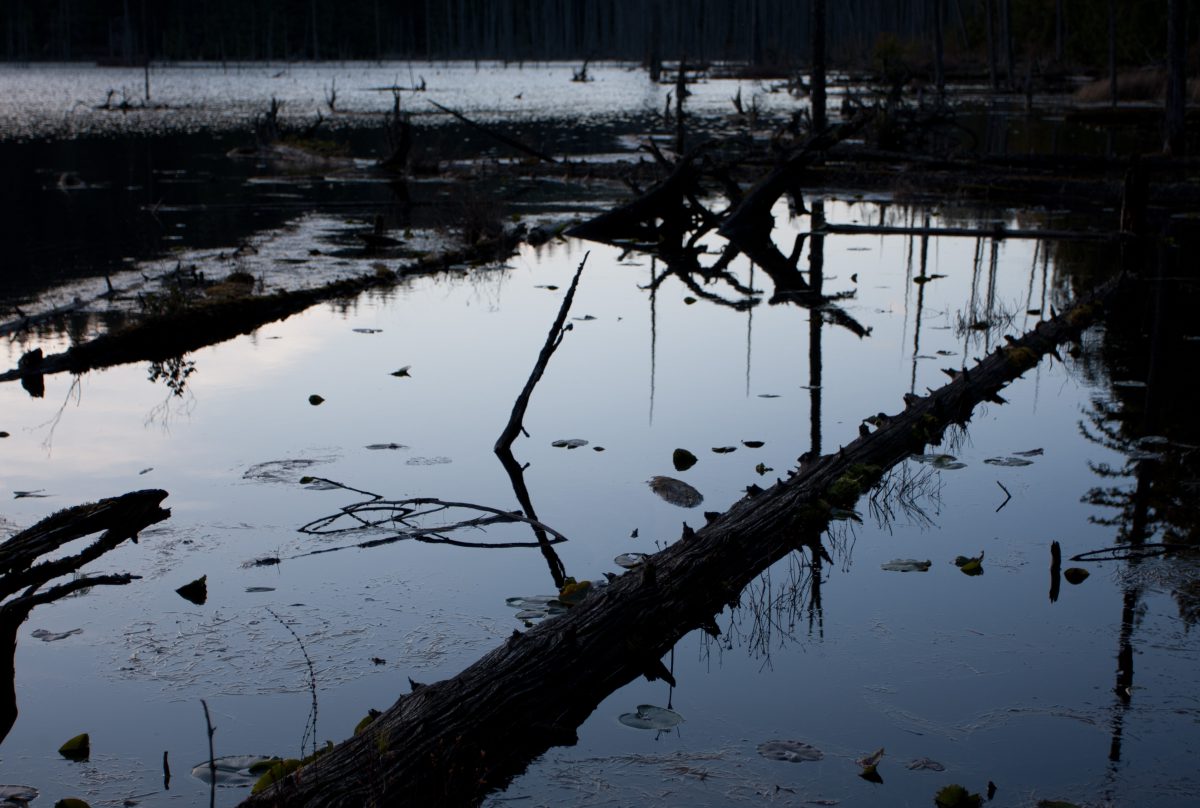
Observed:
{"x":1175,"y":134}
{"x":452,"y":742}
{"x":818,"y":65}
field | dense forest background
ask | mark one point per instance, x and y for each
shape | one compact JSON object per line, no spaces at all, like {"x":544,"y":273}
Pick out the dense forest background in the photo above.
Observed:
{"x":762,"y":32}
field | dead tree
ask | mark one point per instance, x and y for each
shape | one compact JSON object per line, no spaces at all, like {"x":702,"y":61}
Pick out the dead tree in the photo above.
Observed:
{"x":451,"y":742}
{"x":24,"y":571}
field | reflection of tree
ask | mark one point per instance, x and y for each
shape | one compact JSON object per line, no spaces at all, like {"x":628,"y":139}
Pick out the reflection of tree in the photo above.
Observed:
{"x":173,"y":373}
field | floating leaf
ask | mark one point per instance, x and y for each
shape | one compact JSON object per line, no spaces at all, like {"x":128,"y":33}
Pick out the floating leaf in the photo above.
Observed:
{"x":376,"y":447}
{"x":630,"y":560}
{"x":683,"y":459}
{"x":584,"y":319}
{"x":597,"y":448}
{"x":689,"y":300}
{"x":921,"y":764}
{"x":906,"y":565}
{"x":402,"y":372}
{"x":789,"y":751}
{"x":367,"y":330}
{"x":51,"y":636}
{"x":1031,"y":453}
{"x":569,"y":443}
{"x":78,"y":748}
{"x":315,"y":399}
{"x":762,"y":468}
{"x":549,"y":286}
{"x":753,"y":444}
{"x":724,"y":449}
{"x":195,"y":592}
{"x":872,"y":759}
{"x":676,"y":492}
{"x":970,"y":566}
{"x":17,"y":795}
{"x":634,"y":534}
{"x":1008,"y":461}
{"x":955,"y":796}
{"x":36,"y":494}
{"x":254,"y":589}
{"x":1075,"y":575}
{"x":234,"y":770}
{"x":650,"y":717}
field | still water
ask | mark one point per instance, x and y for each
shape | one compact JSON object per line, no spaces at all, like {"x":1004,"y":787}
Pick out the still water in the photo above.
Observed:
{"x":982,"y":674}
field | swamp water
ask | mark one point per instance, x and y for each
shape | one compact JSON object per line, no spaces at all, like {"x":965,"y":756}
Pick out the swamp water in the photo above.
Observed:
{"x":981,"y":673}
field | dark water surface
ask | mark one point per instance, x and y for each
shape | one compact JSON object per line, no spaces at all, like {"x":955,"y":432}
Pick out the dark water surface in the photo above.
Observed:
{"x":1091,"y":698}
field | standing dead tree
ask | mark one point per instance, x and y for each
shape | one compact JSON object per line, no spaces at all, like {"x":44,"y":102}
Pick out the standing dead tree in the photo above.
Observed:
{"x":23,"y":574}
{"x":451,"y":742}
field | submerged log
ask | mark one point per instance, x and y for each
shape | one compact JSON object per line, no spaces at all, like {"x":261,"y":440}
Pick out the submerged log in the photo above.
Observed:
{"x":116,"y":519}
{"x":451,"y":742}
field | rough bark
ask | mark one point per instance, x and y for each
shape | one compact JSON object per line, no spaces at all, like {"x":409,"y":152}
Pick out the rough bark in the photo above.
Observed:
{"x":451,"y":742}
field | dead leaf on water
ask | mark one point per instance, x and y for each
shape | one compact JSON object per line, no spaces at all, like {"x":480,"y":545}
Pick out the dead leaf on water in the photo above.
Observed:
{"x":676,"y":492}
{"x":1076,"y":575}
{"x":569,"y":443}
{"x":925,"y":764}
{"x":402,"y":372}
{"x":195,"y":592}
{"x":753,"y":444}
{"x":315,"y":399}
{"x":683,"y":459}
{"x":52,"y":636}
{"x":375,"y":447}
{"x":724,"y":449}
{"x":906,"y":565}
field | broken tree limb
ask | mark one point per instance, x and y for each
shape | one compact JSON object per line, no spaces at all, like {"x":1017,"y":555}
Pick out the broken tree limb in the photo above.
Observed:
{"x":451,"y":742}
{"x":492,"y":133}
{"x":116,"y":519}
{"x":557,"y":330}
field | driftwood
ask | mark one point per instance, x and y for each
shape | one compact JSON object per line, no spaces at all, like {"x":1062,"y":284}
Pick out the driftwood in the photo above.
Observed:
{"x":451,"y":742}
{"x":22,"y":575}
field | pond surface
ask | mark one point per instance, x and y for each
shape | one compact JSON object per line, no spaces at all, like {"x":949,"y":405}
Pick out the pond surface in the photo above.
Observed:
{"x":1090,"y":698}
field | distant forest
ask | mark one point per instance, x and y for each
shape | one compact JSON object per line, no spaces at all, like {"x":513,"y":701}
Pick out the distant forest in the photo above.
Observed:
{"x":762,"y":32}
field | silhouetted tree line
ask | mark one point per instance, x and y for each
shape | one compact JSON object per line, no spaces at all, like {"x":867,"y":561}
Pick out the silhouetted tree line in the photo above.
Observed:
{"x":772,"y":32}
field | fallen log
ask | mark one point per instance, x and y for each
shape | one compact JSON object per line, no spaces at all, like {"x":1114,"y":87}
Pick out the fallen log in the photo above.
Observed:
{"x":451,"y":742}
{"x":115,"y":518}
{"x":166,"y":336}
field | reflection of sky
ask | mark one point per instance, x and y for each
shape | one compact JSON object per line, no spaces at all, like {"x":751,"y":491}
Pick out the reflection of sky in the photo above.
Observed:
{"x":980,"y":673}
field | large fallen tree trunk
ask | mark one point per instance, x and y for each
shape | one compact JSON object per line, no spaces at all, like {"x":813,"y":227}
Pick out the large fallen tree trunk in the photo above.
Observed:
{"x":451,"y":742}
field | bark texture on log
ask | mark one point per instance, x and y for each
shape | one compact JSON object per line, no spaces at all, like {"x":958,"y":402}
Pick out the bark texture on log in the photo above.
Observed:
{"x":451,"y":742}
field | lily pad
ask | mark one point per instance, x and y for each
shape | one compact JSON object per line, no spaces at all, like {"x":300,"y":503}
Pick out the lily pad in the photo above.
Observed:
{"x":569,"y":443}
{"x":1076,"y":575}
{"x":650,"y":717}
{"x":724,"y":449}
{"x":676,"y":492}
{"x":1008,"y":461}
{"x":234,"y":771}
{"x":1031,"y":453}
{"x":683,"y":459}
{"x":790,"y":751}
{"x":630,"y":560}
{"x":906,"y":565}
{"x":925,"y":764}
{"x":753,"y":444}
{"x":78,"y":748}
{"x":940,"y":461}
{"x":17,"y":795}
